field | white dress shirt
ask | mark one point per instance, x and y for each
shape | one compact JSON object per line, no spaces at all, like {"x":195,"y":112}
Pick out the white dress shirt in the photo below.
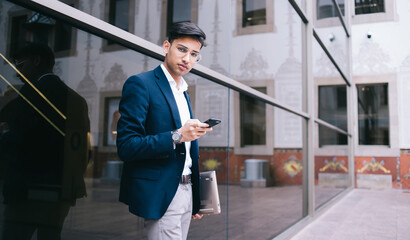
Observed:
{"x":183,"y":112}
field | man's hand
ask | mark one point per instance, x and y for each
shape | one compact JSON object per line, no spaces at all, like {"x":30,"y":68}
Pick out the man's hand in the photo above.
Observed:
{"x":197,"y":216}
{"x":193,"y":129}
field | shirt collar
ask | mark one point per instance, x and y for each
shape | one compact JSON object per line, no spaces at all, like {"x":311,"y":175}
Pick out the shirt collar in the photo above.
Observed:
{"x":44,"y":75}
{"x":183,"y":85}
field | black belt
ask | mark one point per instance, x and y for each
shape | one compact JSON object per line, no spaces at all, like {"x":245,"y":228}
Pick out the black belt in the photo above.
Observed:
{"x":185,"y":179}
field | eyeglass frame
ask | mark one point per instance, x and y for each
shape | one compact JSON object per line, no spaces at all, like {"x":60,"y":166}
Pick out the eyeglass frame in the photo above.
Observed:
{"x":183,"y":50}
{"x":18,"y":63}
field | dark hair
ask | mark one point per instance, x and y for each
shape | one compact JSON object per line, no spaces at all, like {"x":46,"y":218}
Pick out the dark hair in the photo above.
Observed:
{"x":186,"y":29}
{"x":32,"y":49}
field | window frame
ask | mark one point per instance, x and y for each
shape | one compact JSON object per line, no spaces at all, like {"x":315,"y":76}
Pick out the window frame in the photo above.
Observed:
{"x":131,"y":23}
{"x":390,"y":14}
{"x":318,"y":113}
{"x":263,"y":28}
{"x":164,"y":19}
{"x":105,"y":97}
{"x":388,"y":113}
{"x":73,"y":46}
{"x":268,"y":147}
{"x":51,"y":34}
{"x":11,"y":15}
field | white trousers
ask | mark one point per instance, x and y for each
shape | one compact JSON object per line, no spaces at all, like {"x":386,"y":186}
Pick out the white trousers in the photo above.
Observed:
{"x":174,"y":225}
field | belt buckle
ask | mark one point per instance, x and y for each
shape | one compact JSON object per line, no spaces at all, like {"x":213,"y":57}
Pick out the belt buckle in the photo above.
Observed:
{"x":185,"y":179}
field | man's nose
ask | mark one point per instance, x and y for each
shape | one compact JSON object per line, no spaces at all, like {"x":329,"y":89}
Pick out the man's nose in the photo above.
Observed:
{"x":187,"y":57}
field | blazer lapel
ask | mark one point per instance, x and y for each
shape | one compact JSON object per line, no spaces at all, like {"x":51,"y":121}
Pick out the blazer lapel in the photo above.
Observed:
{"x":163,"y":84}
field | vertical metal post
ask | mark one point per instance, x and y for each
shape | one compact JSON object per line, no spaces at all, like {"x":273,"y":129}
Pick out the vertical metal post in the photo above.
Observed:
{"x":351,"y":96}
{"x":309,"y":107}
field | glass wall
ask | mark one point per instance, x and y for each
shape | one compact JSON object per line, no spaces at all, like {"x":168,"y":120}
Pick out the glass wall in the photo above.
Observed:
{"x":257,"y":150}
{"x":330,"y":70}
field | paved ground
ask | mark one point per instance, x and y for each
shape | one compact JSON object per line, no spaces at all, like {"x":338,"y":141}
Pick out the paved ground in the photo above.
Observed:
{"x":253,"y":214}
{"x":363,"y":215}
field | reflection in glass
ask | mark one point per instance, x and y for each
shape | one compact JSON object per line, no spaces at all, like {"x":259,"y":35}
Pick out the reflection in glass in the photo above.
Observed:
{"x":373,"y":111}
{"x":119,"y":13}
{"x":180,"y":11}
{"x":331,"y":176}
{"x":17,"y":33}
{"x":332,"y":109}
{"x":253,"y":120}
{"x":44,"y":148}
{"x":268,"y":198}
{"x":327,"y":9}
{"x":63,"y":37}
{"x":331,"y":159}
{"x":258,"y":212}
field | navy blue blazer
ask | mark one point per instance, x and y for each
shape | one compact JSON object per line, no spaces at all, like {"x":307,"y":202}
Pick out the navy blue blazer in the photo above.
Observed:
{"x":152,"y":167}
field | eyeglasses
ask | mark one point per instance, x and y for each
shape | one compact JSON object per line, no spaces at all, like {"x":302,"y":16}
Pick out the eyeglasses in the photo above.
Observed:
{"x":182,"y":51}
{"x":18,"y":63}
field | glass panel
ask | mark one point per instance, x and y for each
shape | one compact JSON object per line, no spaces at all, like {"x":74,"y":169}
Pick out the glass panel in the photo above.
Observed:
{"x":262,"y":211}
{"x":97,"y":77}
{"x":369,"y":6}
{"x":331,"y":174}
{"x":373,"y":109}
{"x":332,"y":109}
{"x":268,"y":183}
{"x":210,"y":100}
{"x":254,"y":12}
{"x":253,"y":120}
{"x":63,"y":35}
{"x":17,"y":33}
{"x":331,"y":158}
{"x":334,"y":38}
{"x":327,"y":9}
{"x":118,"y":15}
{"x":179,"y":13}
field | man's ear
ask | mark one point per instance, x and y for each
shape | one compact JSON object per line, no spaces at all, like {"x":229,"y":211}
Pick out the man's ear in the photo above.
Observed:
{"x":166,"y":46}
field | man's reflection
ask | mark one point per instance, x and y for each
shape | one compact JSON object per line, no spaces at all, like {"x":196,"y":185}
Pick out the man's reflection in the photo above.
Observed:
{"x":45,"y":149}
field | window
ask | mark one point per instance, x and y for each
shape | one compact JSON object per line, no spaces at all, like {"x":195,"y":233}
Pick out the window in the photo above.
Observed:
{"x":368,"y":6}
{"x":332,"y":109}
{"x":327,"y":9}
{"x":176,"y":13}
{"x":17,"y":33}
{"x":253,"y":12}
{"x":120,"y":13}
{"x":35,"y":27}
{"x":252,"y":120}
{"x":64,"y":37}
{"x":373,"y":110}
{"x":368,"y":11}
{"x":254,"y":16}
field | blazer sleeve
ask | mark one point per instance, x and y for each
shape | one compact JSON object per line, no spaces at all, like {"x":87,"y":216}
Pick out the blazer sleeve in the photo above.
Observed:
{"x":133,"y":143}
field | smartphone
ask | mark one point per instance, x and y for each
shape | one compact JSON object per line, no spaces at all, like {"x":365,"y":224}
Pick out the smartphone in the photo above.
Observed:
{"x":212,"y":122}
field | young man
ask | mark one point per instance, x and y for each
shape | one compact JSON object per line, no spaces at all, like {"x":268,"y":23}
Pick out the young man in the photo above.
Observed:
{"x":157,"y":139}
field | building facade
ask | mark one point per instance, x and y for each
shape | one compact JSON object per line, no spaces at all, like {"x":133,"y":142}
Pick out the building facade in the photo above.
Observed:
{"x":314,"y":91}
